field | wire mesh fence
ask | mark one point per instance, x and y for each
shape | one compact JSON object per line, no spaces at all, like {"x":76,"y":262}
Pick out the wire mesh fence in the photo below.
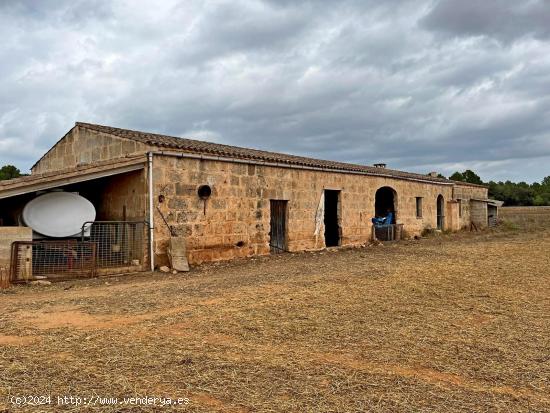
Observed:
{"x":52,"y":259}
{"x":118,"y":243}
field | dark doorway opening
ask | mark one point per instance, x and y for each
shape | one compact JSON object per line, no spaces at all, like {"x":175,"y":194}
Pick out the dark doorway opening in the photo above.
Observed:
{"x":277,"y":234}
{"x":492,"y":215}
{"x":332,"y":215}
{"x":385,"y":203}
{"x":440,"y":212}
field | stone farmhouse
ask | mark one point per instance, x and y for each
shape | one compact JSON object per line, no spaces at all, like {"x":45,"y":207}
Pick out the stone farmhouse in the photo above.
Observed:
{"x":228,"y":202}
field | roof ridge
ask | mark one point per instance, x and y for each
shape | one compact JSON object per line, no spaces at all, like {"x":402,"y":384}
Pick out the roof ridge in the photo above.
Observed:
{"x":199,"y":146}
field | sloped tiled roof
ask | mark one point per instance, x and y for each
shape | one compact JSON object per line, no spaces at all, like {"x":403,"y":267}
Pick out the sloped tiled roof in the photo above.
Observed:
{"x":216,"y":149}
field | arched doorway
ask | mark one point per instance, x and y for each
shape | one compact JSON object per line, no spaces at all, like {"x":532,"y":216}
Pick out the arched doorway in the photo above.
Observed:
{"x":386,"y":202}
{"x":440,"y":212}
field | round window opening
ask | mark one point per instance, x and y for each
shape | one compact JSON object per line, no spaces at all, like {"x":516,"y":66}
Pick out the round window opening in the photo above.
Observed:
{"x":204,"y":191}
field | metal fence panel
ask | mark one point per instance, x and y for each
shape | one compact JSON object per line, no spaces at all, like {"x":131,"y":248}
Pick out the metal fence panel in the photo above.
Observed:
{"x":119,"y":243}
{"x":52,"y":259}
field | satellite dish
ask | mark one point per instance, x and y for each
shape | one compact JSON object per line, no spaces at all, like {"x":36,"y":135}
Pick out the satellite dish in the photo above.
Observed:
{"x":58,"y":214}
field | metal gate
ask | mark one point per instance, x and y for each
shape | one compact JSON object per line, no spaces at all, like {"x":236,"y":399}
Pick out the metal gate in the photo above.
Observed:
{"x":277,"y":240}
{"x":52,"y":259}
{"x":119,"y":243}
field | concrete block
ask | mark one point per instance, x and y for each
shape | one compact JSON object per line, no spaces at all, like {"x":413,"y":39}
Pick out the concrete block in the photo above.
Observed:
{"x":9,"y":235}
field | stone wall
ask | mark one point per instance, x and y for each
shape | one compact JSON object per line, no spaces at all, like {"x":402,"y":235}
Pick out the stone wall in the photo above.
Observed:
{"x":235,"y":220}
{"x":83,"y":146}
{"x":453,"y":216}
{"x":124,"y":196}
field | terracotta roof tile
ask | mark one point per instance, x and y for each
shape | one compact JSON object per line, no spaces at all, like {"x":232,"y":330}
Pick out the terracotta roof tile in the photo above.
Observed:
{"x":216,"y":149}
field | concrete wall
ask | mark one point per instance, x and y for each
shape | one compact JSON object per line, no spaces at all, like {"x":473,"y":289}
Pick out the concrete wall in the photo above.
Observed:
{"x":83,"y":146}
{"x":471,"y":210}
{"x":478,"y":213}
{"x":8,"y":235}
{"x":238,"y":209}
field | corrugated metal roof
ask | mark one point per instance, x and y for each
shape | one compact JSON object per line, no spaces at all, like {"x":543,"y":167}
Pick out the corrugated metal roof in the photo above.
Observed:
{"x":215,"y":149}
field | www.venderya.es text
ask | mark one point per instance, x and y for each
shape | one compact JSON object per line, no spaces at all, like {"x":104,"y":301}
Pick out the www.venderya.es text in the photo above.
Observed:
{"x":95,"y":400}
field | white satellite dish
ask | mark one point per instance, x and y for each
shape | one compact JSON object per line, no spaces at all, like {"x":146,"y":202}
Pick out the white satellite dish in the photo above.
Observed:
{"x":58,"y":214}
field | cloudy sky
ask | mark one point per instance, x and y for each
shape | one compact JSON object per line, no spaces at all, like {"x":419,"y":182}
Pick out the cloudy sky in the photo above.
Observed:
{"x":421,"y":85}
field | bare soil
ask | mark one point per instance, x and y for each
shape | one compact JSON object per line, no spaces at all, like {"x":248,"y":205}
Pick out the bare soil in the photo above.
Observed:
{"x":455,"y":323}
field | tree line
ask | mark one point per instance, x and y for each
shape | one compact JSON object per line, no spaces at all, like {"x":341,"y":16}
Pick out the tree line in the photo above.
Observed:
{"x":511,"y":193}
{"x":9,"y":172}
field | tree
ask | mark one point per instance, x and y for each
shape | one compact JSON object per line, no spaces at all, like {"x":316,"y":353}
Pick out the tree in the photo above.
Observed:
{"x":9,"y":172}
{"x":511,"y":193}
{"x":471,"y":177}
{"x":467,"y":176}
{"x":457,"y":176}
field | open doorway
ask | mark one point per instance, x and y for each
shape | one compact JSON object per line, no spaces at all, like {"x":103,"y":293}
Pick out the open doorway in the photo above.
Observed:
{"x":386,"y":203}
{"x":440,"y":212}
{"x":332,"y":218}
{"x":277,"y":239}
{"x":492,"y":215}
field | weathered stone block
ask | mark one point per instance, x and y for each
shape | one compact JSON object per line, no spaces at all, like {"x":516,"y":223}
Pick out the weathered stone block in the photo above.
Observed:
{"x":185,"y":189}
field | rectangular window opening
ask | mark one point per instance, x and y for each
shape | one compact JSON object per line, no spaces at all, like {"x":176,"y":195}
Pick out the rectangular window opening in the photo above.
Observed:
{"x":419,"y":207}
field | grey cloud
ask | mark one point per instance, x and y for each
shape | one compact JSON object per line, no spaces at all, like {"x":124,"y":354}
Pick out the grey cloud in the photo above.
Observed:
{"x":57,"y":11}
{"x":499,"y":19}
{"x":363,"y":82}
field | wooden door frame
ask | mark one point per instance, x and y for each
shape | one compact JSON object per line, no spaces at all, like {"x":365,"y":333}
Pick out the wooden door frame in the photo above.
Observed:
{"x":276,"y":248}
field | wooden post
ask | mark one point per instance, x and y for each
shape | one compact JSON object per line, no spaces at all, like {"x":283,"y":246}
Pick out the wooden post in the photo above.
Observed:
{"x":4,"y":278}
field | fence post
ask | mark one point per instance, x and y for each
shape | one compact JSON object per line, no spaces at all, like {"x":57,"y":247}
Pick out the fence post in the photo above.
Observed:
{"x":4,"y":278}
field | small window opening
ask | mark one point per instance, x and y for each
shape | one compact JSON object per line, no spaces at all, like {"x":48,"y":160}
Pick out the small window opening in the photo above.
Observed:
{"x":419,"y":207}
{"x":459,"y":207}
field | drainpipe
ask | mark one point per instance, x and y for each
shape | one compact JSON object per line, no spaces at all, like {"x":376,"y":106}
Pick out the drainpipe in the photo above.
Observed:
{"x":151,"y":214}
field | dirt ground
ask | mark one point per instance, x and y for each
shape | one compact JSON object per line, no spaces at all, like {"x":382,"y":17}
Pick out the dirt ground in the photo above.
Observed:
{"x":456,"y":323}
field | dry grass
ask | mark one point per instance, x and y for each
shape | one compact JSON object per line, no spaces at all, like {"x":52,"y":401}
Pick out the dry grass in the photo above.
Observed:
{"x":526,"y":218}
{"x":455,"y":323}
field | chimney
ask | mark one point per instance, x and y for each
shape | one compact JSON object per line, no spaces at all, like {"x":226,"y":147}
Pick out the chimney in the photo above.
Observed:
{"x":433,"y":174}
{"x":379,"y":165}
